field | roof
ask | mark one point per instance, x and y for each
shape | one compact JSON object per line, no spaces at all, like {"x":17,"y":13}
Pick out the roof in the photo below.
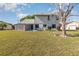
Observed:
{"x":5,"y":23}
{"x":28,"y":21}
{"x":43,"y":14}
{"x":72,"y":22}
{"x":20,"y":24}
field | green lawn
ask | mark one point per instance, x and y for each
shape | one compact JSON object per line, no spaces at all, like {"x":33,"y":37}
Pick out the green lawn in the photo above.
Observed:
{"x":38,"y":43}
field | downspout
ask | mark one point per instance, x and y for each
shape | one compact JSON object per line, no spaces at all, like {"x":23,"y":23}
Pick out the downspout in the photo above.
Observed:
{"x":34,"y":24}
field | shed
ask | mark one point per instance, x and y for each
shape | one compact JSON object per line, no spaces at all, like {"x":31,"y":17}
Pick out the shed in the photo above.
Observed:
{"x":23,"y":27}
{"x":27,"y":24}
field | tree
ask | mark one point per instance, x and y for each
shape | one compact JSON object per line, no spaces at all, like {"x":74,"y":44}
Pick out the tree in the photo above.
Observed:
{"x":2,"y":25}
{"x":64,"y":12}
{"x":27,"y":17}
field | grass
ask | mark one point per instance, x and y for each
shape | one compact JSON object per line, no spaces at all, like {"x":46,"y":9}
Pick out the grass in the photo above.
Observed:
{"x":43,"y":43}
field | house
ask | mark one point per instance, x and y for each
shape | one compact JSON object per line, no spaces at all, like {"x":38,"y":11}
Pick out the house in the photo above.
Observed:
{"x":5,"y":25}
{"x":9,"y":26}
{"x":40,"y":22}
{"x":72,"y":25}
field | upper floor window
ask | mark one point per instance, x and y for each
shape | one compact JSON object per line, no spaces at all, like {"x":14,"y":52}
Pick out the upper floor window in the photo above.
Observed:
{"x":48,"y":18}
{"x":57,"y":18}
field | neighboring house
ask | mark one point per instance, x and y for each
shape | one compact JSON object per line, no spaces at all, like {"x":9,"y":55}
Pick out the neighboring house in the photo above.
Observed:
{"x":40,"y":22}
{"x":72,"y":25}
{"x":7,"y":27}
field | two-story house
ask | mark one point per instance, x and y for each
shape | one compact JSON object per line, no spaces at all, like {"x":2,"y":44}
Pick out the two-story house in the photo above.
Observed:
{"x":40,"y":21}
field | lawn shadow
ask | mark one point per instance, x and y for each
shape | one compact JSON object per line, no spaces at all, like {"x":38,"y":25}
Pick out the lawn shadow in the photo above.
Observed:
{"x":70,"y":35}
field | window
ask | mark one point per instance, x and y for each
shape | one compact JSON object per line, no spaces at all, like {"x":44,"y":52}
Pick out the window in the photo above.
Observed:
{"x":49,"y":27}
{"x":57,"y":19}
{"x":44,"y":25}
{"x":37,"y":26}
{"x":53,"y":25}
{"x":48,"y":18}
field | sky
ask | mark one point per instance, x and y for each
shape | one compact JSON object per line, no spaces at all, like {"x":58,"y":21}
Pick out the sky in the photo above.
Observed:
{"x":13,"y":12}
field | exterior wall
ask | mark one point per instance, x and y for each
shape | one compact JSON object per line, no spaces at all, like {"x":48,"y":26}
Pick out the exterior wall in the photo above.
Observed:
{"x":41,"y":26}
{"x":20,"y":27}
{"x":28,"y":26}
{"x":44,"y":20}
{"x":74,"y":23}
{"x":9,"y":27}
{"x":23,"y":27}
{"x":72,"y":26}
{"x":53,"y":20}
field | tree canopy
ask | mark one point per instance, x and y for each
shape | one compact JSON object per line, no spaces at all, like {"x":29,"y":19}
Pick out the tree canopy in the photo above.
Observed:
{"x":27,"y":17}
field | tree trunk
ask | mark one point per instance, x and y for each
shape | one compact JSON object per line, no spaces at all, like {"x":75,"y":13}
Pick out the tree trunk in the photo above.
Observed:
{"x":63,"y":29}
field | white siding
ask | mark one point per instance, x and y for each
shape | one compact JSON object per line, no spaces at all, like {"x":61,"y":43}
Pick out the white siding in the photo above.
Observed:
{"x":41,"y":19}
{"x":20,"y":27}
{"x":41,"y":26}
{"x":72,"y":26}
{"x":44,"y":20}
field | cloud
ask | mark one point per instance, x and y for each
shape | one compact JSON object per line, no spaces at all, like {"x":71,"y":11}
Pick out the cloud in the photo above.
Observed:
{"x":13,"y":6}
{"x":20,"y":15}
{"x":23,"y":4}
{"x":73,"y":12}
{"x":54,"y":11}
{"x":8,"y":6}
{"x":49,"y":9}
